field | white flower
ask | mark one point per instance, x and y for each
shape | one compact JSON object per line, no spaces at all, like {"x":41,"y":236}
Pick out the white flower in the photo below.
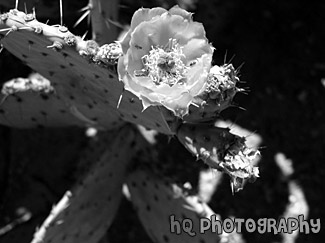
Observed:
{"x":166,"y":58}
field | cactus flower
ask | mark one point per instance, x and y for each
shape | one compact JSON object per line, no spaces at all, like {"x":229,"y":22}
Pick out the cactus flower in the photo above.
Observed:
{"x":166,"y":58}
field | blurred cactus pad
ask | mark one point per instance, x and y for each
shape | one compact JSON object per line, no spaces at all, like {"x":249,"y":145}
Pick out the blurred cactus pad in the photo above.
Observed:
{"x":111,"y":114}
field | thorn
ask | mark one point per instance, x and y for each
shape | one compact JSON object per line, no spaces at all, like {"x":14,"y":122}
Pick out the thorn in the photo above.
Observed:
{"x":88,"y":7}
{"x":107,"y":23}
{"x":225,"y":58}
{"x":123,"y":6}
{"x":85,"y":14}
{"x":238,"y":69}
{"x":84,"y":35}
{"x":116,"y":23}
{"x":7,"y":29}
{"x":61,"y":13}
{"x":242,"y":91}
{"x":3,"y":99}
{"x":16,"y":5}
{"x":13,"y":28}
{"x":8,"y":33}
{"x":232,"y":188}
{"x":262,"y":147}
{"x":1,"y":48}
{"x":196,"y":105}
{"x":89,"y":18}
{"x":34,"y":13}
{"x":242,"y":81}
{"x":74,"y":111}
{"x":237,"y":106}
{"x":247,"y":88}
{"x":25,"y":7}
{"x":232,"y":58}
{"x":120,"y":99}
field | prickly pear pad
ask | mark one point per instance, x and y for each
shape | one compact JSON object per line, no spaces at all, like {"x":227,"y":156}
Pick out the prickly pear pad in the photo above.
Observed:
{"x":86,"y":212}
{"x":90,"y":88}
{"x":32,"y":102}
{"x":221,"y":150}
{"x":156,"y":200}
{"x":29,"y":109}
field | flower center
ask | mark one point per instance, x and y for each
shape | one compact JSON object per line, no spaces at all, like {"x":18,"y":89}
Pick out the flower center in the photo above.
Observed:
{"x":165,"y":65}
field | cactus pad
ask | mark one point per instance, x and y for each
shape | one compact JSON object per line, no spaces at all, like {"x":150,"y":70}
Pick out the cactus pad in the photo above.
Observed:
{"x":85,"y":213}
{"x":26,"y":103}
{"x":156,"y":200}
{"x":68,"y":62}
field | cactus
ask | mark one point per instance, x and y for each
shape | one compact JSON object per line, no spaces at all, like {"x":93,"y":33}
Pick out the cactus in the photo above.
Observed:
{"x":159,"y":201}
{"x":86,"y":212}
{"x":161,"y":81}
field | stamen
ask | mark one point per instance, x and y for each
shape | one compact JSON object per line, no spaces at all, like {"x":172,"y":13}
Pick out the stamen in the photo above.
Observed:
{"x":164,"y":64}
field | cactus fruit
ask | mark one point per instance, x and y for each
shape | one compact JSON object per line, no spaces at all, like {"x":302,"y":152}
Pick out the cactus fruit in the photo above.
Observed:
{"x":217,"y":96}
{"x":221,"y":150}
{"x":86,"y":212}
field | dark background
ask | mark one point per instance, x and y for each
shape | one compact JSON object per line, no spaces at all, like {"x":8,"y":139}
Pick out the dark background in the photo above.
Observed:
{"x":281,"y":44}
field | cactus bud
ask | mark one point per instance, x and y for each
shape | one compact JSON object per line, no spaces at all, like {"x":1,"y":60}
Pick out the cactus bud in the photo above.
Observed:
{"x":221,"y":150}
{"x":217,"y":96}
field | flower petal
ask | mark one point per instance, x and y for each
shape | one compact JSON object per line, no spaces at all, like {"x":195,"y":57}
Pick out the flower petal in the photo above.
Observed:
{"x":160,"y":30}
{"x":157,"y":31}
{"x":141,"y":15}
{"x":195,"y":48}
{"x":198,"y":73}
{"x":132,"y":63}
{"x":179,"y":106}
{"x":176,"y":10}
{"x":192,"y":30}
{"x":145,"y":14}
